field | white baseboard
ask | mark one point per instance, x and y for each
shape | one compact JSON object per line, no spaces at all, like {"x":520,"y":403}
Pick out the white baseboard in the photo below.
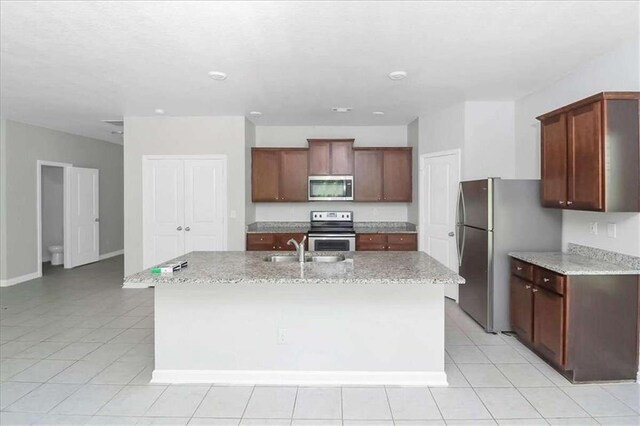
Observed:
{"x":20,"y":279}
{"x":258,"y":377}
{"x":112,"y":254}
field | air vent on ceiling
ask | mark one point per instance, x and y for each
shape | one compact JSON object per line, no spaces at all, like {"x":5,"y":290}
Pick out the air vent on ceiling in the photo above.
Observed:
{"x":118,"y":123}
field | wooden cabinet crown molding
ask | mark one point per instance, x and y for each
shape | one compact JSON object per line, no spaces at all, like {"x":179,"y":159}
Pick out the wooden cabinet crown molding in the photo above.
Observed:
{"x":597,"y":97}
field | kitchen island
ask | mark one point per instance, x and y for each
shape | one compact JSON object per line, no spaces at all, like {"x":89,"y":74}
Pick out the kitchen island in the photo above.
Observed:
{"x":376,"y":318}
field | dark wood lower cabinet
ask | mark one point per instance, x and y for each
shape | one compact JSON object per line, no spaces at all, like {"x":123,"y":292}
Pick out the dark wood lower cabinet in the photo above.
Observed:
{"x":584,"y":326}
{"x":273,"y":241}
{"x":386,"y":242}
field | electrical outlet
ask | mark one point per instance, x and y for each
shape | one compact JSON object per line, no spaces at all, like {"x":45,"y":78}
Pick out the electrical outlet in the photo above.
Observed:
{"x":593,"y":228}
{"x":611,"y":230}
{"x":282,"y":336}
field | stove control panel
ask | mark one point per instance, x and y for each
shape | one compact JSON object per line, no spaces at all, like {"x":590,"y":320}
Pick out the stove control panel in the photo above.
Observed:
{"x":331,"y":216}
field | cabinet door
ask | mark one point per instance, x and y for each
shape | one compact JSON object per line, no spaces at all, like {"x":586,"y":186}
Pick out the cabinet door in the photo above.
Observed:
{"x":293,"y":175}
{"x":257,"y":242}
{"x":265,"y":175}
{"x":371,"y":242}
{"x":368,"y":175}
{"x":282,"y":239}
{"x":342,"y":158}
{"x":522,"y":308}
{"x":548,"y":324}
{"x":396,"y":175}
{"x":402,"y":242}
{"x":553,"y":191}
{"x":319,"y":158}
{"x":586,"y":159}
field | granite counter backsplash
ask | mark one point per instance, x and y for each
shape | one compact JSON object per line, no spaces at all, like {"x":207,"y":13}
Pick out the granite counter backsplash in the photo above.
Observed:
{"x":360,"y":227}
{"x":583,"y":260}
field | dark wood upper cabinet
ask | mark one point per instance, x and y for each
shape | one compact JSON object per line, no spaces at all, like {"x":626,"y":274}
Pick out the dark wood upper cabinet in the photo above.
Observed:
{"x":293,"y":174}
{"x":279,"y":175}
{"x":397,"y":174}
{"x":590,"y":154}
{"x":330,"y":156}
{"x":554,"y":161}
{"x":368,"y":175}
{"x":585,"y":150}
{"x":383,"y":174}
{"x":265,"y":175}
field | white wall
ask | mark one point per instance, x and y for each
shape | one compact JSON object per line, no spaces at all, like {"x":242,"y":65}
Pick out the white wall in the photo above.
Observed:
{"x":617,"y":70}
{"x":413,"y":140}
{"x":182,"y":136}
{"x":249,"y":141}
{"x":482,"y":130}
{"x":52,"y":209}
{"x":296,"y":136}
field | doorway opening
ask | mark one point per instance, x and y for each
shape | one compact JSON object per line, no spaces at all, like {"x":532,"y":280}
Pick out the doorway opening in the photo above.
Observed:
{"x":51,"y":216}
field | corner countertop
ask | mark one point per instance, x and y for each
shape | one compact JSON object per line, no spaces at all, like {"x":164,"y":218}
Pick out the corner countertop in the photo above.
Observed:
{"x":360,"y":227}
{"x":583,"y":260}
{"x":241,"y":267}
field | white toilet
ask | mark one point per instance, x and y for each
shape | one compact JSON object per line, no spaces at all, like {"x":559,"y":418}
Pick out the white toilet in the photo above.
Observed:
{"x":57,"y":256}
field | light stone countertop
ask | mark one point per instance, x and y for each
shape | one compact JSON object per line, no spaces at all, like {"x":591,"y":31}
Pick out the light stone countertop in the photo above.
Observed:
{"x":575,"y":264}
{"x":242,"y":267}
{"x":360,"y":227}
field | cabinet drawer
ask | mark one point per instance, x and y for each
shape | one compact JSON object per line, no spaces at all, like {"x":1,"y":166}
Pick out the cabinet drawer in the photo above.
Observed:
{"x":402,"y":242}
{"x":256,"y":242}
{"x":371,"y":242}
{"x":549,"y":280}
{"x":522,"y":269}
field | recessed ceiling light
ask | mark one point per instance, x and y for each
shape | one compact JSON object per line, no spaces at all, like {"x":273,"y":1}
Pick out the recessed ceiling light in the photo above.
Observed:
{"x":378,"y":112}
{"x":255,"y":113}
{"x":341,"y":109}
{"x":117,"y":132}
{"x":159,"y":111}
{"x":217,"y":75}
{"x":397,"y":75}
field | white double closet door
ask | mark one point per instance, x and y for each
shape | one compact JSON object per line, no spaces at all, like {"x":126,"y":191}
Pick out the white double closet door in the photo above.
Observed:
{"x":185,"y":204}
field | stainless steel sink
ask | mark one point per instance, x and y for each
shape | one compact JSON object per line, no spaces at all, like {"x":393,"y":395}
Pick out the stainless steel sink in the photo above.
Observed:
{"x":281,"y":258}
{"x":314,"y":258}
{"x":326,"y":259}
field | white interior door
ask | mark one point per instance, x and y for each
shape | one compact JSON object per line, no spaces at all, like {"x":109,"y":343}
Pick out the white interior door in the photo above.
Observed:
{"x":163,"y":205}
{"x":84,"y":218}
{"x":205,"y":205}
{"x":440,"y":176}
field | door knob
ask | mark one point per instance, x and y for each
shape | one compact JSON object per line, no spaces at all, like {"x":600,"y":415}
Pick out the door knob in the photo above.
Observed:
{"x":97,"y":219}
{"x":187,"y":229}
{"x":451,"y":234}
{"x":179,"y":228}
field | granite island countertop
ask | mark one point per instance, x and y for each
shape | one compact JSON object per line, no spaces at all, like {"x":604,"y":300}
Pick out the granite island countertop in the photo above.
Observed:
{"x":242,"y":267}
{"x":583,"y":260}
{"x":360,"y":227}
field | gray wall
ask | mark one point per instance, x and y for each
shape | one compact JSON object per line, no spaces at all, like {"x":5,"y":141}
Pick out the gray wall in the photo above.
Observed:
{"x":182,"y":136}
{"x":52,"y":209}
{"x":249,"y":141}
{"x":24,"y":145}
{"x":413,"y":140}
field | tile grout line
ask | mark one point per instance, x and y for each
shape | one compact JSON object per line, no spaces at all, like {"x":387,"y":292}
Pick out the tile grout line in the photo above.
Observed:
{"x":389,"y":405}
{"x":253,"y":388}
{"x":201,"y":401}
{"x":293,"y":409}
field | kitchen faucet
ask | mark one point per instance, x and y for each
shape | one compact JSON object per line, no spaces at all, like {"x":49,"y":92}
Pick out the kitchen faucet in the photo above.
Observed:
{"x":299,"y":248}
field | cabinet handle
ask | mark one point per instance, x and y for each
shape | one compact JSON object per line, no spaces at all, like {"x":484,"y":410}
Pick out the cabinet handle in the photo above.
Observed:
{"x":187,"y":229}
{"x":560,"y":202}
{"x":546,"y":280}
{"x":527,"y":287}
{"x":179,"y":228}
{"x":569,"y":202}
{"x":535,"y":290}
{"x":274,"y":247}
{"x":518,"y":268}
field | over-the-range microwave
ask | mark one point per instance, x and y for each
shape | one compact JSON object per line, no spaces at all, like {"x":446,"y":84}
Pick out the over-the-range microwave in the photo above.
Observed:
{"x":330,"y":188}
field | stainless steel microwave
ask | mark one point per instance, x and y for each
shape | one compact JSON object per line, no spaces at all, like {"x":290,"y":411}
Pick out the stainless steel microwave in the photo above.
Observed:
{"x":330,"y":188}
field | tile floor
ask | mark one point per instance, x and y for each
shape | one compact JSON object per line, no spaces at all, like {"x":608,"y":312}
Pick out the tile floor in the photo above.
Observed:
{"x":77,"y":349}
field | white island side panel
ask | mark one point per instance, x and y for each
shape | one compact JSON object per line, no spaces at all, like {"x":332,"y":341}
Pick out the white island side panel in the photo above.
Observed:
{"x":333,"y":334}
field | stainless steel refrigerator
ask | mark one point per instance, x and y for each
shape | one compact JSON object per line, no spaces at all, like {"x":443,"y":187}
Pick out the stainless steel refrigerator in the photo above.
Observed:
{"x":496,"y":216}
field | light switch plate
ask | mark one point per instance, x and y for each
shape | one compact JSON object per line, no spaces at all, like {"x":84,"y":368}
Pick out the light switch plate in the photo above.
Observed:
{"x":611,"y":230}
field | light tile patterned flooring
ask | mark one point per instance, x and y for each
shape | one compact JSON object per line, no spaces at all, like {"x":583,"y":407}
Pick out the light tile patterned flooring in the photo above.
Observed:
{"x":77,"y":349}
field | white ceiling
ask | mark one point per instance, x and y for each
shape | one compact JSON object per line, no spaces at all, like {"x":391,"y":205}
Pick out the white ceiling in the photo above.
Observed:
{"x":66,"y":65}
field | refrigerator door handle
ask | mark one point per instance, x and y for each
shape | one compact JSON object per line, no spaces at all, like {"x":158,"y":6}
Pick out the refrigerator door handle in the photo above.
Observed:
{"x":460,"y":246}
{"x":461,"y":213}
